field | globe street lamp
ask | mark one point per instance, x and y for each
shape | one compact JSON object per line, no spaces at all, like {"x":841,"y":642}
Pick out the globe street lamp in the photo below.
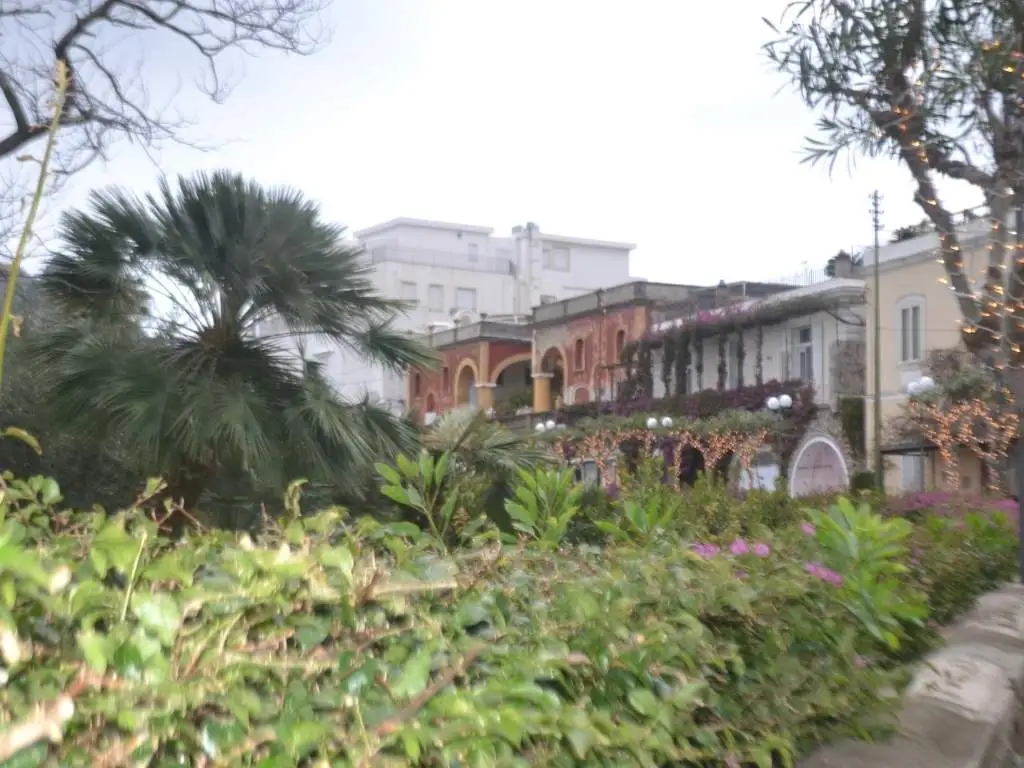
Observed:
{"x":547,"y":426}
{"x":653,"y":422}
{"x":779,"y":404}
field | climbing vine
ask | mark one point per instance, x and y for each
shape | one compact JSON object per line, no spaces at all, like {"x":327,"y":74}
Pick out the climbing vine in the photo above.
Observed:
{"x":758,"y":356}
{"x":644,"y":369}
{"x":698,"y":344}
{"x":668,"y":359}
{"x":741,"y":355}
{"x":682,"y":359}
{"x":723,"y":367}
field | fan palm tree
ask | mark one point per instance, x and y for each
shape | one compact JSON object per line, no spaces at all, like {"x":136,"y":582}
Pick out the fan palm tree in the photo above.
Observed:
{"x":483,"y":446}
{"x":164,"y":353}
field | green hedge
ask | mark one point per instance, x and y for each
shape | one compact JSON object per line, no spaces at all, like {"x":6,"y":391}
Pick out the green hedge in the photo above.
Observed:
{"x":342,"y":642}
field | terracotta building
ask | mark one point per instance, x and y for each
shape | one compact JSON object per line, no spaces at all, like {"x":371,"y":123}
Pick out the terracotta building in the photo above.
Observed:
{"x":563,"y":353}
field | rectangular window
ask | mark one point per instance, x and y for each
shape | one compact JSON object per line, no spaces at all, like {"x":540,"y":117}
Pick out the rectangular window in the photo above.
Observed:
{"x":910,"y":334}
{"x":803,"y":353}
{"x":435,"y":298}
{"x":408,"y":291}
{"x":556,"y":258}
{"x":474,"y":251}
{"x":465,"y":298}
{"x":545,"y":299}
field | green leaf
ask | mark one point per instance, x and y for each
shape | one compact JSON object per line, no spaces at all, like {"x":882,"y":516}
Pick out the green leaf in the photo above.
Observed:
{"x":20,"y":434}
{"x":299,"y":738}
{"x":643,"y":701}
{"x":312,"y":632}
{"x":159,"y":613}
{"x":415,"y":674}
{"x":95,"y":649}
{"x":388,"y":473}
{"x":581,"y":740}
{"x":339,"y":558}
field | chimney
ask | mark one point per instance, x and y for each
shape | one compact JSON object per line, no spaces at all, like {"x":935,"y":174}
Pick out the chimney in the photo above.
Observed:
{"x":843,"y":265}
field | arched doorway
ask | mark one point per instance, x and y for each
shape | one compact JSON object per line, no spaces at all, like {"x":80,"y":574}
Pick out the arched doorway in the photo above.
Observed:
{"x":513,"y":385}
{"x":818,"y":466}
{"x":465,"y":386}
{"x":553,"y":362}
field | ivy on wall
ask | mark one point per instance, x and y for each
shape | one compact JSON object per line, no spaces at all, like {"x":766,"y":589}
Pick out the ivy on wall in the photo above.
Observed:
{"x":758,"y":356}
{"x":699,"y":348}
{"x":682,"y":360}
{"x":851,"y":418}
{"x":741,"y":355}
{"x":644,"y":369}
{"x":668,"y":359}
{"x":723,"y":366}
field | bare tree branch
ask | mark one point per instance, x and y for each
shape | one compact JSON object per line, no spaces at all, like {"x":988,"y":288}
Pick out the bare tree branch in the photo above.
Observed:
{"x":108,"y":100}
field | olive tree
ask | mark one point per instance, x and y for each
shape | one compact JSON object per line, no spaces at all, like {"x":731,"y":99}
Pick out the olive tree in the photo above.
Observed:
{"x":939,"y":86}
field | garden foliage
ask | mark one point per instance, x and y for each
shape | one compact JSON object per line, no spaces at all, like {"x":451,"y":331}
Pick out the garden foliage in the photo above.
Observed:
{"x":737,"y":638}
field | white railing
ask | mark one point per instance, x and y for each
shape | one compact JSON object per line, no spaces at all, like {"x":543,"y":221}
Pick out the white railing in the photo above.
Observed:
{"x":446,"y":260}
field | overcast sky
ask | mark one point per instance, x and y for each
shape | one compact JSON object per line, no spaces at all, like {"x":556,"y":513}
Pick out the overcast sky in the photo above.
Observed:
{"x":654,"y":122}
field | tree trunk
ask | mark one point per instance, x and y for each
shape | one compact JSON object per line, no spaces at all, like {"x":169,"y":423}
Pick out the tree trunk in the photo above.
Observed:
{"x":185,"y":488}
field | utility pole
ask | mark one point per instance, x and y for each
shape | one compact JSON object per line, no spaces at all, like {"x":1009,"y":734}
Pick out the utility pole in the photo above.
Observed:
{"x":876,"y":301}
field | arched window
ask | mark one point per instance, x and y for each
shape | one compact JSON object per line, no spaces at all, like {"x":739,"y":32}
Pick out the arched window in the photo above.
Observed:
{"x":620,"y":343}
{"x":417,"y":384}
{"x":579,"y":355}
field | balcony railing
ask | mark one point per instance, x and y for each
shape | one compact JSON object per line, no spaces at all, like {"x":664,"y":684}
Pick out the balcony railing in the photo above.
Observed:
{"x":443,"y":259}
{"x":482,"y":331}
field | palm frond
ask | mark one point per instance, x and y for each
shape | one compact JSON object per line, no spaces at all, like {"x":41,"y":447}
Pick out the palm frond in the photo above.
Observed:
{"x":484,"y":445}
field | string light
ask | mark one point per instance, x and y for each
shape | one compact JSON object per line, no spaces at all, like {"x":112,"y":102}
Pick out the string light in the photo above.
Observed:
{"x":712,"y":438}
{"x":986,"y":430}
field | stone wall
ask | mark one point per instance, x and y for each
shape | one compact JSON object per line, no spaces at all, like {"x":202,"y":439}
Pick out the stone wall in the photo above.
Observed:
{"x":964,"y":708}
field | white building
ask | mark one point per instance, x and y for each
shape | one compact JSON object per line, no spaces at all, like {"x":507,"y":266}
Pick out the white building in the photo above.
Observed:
{"x":460,"y":273}
{"x":812,"y":333}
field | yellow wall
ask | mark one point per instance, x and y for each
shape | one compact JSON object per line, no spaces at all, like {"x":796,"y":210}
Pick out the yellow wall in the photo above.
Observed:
{"x":906,"y":280}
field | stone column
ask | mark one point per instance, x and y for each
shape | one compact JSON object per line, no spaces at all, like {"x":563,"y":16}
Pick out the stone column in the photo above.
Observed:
{"x":485,"y":397}
{"x":542,"y":392}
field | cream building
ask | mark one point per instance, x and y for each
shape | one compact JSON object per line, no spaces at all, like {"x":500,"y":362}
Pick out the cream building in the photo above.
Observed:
{"x":919,"y":314}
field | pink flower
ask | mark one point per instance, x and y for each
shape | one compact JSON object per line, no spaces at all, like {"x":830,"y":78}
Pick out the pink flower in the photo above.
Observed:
{"x":741,"y":575}
{"x":762,"y":550}
{"x":825,"y":574}
{"x":808,"y":529}
{"x":739,"y":547}
{"x":859,"y":663}
{"x":731,"y":761}
{"x":705,"y":550}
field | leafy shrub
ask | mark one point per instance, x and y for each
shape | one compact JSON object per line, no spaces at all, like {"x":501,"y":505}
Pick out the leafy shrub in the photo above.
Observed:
{"x":354,"y":641}
{"x":862,"y":481}
{"x":954,"y":561}
{"x":544,"y":503}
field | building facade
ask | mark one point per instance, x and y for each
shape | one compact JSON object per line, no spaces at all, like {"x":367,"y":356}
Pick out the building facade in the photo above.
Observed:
{"x":565,"y":353}
{"x":457,"y":275}
{"x":918,"y":315}
{"x":569,"y":351}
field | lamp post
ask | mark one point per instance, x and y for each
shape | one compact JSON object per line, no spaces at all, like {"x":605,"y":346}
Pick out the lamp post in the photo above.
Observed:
{"x":781,"y":406}
{"x":921,"y":386}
